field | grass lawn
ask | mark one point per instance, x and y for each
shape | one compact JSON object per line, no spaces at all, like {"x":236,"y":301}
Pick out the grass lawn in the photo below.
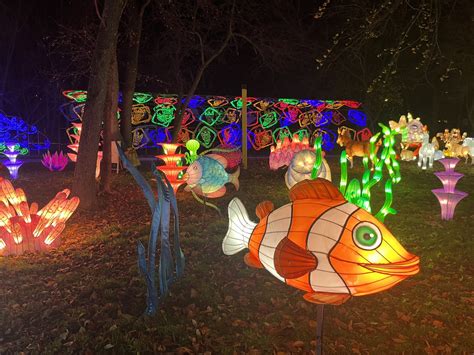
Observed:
{"x":87,"y":296}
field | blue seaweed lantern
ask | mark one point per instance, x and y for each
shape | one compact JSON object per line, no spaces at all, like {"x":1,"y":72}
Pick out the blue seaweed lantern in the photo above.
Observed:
{"x":161,"y":209}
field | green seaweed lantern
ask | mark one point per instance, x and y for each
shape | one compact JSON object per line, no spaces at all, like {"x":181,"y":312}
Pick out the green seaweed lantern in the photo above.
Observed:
{"x":319,"y":157}
{"x":358,"y":192}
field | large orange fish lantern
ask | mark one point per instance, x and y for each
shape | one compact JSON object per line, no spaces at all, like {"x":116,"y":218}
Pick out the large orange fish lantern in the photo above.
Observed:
{"x":321,"y":244}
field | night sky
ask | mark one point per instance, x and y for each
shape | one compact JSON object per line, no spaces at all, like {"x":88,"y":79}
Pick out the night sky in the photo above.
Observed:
{"x":31,"y":91}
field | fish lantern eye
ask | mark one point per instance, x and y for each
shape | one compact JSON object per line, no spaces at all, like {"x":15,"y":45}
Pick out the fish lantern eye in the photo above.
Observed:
{"x":367,"y":236}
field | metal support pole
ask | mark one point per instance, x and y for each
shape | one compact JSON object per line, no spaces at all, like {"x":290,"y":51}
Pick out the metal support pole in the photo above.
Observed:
{"x":244,"y":126}
{"x":319,"y":329}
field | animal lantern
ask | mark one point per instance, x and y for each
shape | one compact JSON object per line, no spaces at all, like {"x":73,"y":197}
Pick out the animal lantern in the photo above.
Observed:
{"x":411,"y":131}
{"x":455,"y":144}
{"x":207,"y":176}
{"x":457,"y":150}
{"x":321,"y":244}
{"x":415,"y":130}
{"x":353,"y":148}
{"x":427,"y":152}
{"x":469,"y":142}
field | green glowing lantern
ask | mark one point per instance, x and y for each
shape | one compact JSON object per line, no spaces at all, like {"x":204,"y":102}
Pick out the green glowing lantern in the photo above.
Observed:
{"x":268,"y":120}
{"x":163,"y":116}
{"x":290,"y":101}
{"x":211,"y":116}
{"x":319,"y":157}
{"x":281,"y":133}
{"x":303,"y":133}
{"x":359,"y":192}
{"x":206,"y":136}
{"x":192,"y":145}
{"x":141,"y":98}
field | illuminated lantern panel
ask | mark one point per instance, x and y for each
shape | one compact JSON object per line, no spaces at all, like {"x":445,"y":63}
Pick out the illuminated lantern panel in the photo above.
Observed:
{"x":25,"y":229}
{"x":55,"y":162}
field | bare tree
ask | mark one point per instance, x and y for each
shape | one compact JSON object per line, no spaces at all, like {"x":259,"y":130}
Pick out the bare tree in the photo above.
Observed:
{"x":196,"y":34}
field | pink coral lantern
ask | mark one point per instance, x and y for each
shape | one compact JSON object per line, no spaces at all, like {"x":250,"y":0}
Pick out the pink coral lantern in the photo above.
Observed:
{"x":55,"y":162}
{"x":282,"y":154}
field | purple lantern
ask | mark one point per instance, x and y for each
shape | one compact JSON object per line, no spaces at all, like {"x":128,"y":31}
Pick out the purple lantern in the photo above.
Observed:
{"x":449,"y":179}
{"x":448,"y":196}
{"x":12,"y":164}
{"x":449,"y":163}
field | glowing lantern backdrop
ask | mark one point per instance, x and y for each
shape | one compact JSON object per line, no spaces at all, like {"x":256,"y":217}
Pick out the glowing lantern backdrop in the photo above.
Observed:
{"x":24,"y":228}
{"x":214,"y":120}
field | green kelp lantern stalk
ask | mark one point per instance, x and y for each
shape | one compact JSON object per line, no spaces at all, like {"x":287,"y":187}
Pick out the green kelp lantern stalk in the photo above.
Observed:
{"x":358,"y":192}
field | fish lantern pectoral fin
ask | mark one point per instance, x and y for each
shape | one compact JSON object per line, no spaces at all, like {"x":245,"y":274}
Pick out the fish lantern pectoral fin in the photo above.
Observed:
{"x":292,"y":262}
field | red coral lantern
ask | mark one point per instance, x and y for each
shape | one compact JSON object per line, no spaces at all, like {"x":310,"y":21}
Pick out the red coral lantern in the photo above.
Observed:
{"x":172,"y":169}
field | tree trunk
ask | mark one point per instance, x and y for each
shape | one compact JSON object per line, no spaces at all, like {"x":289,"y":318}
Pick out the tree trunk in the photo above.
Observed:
{"x":131,"y":68}
{"x":84,"y":184}
{"x":110,"y":131}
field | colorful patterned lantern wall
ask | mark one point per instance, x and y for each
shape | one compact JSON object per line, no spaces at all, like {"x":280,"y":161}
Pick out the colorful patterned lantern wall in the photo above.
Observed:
{"x":214,"y":120}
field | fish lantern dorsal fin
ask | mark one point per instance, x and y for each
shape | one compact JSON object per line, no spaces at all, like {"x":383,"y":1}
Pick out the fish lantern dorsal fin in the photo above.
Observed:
{"x":319,"y":189}
{"x":264,"y":208}
{"x":219,"y":158}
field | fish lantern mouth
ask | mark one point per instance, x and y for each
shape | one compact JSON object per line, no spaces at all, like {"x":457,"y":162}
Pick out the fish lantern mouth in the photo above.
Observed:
{"x":185,"y":176}
{"x":405,"y":268}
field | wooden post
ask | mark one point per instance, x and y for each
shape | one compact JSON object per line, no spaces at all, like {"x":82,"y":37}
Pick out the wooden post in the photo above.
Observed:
{"x":319,"y":330}
{"x":244,"y":126}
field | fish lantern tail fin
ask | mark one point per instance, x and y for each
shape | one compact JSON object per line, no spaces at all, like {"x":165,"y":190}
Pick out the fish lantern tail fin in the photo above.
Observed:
{"x":240,"y":228}
{"x":234,"y":178}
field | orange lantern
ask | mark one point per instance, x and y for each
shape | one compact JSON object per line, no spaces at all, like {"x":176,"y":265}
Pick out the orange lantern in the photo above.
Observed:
{"x":321,"y":244}
{"x":172,"y":169}
{"x":24,"y":228}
